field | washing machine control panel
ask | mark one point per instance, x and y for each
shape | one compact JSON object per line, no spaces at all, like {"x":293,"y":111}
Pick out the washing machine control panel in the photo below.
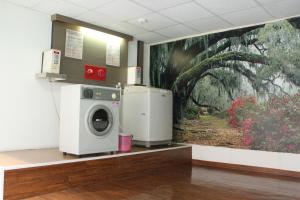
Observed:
{"x":100,"y":94}
{"x":88,"y":93}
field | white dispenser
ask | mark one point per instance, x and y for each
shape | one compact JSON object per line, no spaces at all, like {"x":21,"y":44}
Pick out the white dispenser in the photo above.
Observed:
{"x":134,"y":76}
{"x":51,"y":61}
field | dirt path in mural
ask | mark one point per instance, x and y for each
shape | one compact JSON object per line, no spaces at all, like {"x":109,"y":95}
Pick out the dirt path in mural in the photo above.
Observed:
{"x":208,"y":130}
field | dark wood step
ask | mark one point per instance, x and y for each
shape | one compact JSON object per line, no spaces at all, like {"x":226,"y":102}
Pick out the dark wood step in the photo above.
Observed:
{"x":34,"y":181}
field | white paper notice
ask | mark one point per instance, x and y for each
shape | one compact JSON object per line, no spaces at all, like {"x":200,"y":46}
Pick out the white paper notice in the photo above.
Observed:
{"x":74,"y":44}
{"x":113,"y":54}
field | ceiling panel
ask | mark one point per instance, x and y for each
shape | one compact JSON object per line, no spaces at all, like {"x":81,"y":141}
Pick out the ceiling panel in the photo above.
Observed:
{"x":284,"y":8}
{"x":289,"y":4}
{"x":123,"y":9}
{"x":128,"y":28}
{"x":59,"y":6}
{"x":151,"y":37}
{"x":98,"y":19}
{"x":159,"y":4}
{"x":208,"y":24}
{"x":25,"y":3}
{"x":247,"y":17}
{"x":226,"y":6}
{"x":176,"y":31}
{"x":264,"y":2}
{"x":90,"y":4}
{"x":280,"y":11}
{"x":167,"y":19}
{"x":154,"y":21}
{"x":186,"y":12}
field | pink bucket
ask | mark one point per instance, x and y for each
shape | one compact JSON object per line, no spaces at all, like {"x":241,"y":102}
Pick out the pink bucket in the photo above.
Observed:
{"x":125,"y":143}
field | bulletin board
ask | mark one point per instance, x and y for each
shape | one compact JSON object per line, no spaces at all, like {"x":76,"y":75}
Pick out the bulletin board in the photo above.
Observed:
{"x":93,"y":52}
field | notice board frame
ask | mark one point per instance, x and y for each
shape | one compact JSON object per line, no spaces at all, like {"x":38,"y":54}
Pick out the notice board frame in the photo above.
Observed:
{"x":94,"y":52}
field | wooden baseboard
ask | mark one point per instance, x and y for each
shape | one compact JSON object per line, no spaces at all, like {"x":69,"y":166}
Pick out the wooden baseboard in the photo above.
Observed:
{"x":278,"y":173}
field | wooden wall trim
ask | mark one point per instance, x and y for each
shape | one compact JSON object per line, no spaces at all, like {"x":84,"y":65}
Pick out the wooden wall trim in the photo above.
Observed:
{"x":70,"y":20}
{"x":34,"y":181}
{"x":248,"y":169}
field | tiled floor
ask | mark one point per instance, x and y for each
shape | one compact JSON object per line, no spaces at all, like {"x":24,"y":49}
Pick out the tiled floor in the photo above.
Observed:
{"x":198,"y":184}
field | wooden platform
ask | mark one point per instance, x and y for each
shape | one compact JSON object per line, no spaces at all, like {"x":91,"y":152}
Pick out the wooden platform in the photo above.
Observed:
{"x":38,"y":156}
{"x":32,"y":179}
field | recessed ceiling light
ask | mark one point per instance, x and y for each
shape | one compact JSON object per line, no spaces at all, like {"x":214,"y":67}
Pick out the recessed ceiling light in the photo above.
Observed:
{"x":143,"y":20}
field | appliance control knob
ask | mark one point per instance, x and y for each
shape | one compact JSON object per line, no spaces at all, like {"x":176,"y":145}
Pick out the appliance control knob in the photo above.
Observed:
{"x":88,"y":93}
{"x":113,"y":96}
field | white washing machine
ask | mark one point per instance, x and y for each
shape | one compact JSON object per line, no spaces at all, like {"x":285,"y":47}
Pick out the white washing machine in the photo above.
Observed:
{"x":147,"y":114}
{"x":89,"y":119}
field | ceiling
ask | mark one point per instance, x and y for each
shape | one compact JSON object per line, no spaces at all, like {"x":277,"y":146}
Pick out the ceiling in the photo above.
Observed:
{"x":167,"y":19}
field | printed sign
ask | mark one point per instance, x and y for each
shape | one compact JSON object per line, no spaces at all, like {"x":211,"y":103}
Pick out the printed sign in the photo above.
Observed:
{"x":74,"y":44}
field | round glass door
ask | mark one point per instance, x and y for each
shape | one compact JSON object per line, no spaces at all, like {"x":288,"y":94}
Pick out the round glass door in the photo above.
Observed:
{"x":100,"y":120}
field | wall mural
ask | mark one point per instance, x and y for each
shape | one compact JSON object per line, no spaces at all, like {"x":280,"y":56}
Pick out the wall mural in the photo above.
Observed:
{"x":238,"y":88}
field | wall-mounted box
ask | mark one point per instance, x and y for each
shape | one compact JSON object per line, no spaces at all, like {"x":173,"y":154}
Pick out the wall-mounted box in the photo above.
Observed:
{"x":51,"y":61}
{"x":134,"y":76}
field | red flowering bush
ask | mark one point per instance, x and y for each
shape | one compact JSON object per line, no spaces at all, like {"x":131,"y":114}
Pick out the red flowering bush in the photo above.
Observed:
{"x":239,"y":109}
{"x":275,"y":126}
{"x":246,"y":128}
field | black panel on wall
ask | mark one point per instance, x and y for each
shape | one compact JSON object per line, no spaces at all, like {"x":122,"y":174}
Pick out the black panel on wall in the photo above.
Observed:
{"x":94,"y":53}
{"x":140,"y":56}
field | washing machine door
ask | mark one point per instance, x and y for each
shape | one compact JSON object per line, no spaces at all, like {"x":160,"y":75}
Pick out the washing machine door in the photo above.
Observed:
{"x":100,"y":120}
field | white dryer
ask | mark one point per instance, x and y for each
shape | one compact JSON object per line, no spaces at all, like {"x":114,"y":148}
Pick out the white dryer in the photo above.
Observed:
{"x":89,"y":119}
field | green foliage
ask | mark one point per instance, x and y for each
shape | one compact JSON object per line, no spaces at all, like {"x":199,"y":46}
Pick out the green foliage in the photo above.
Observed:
{"x":208,"y":94}
{"x":213,"y":69}
{"x":221,"y":115}
{"x":191,"y":112}
{"x":210,"y":110}
{"x":282,"y":43}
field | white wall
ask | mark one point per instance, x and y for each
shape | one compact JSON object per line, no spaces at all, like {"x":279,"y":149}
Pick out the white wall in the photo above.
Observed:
{"x":28,"y":119}
{"x":276,"y":160}
{"x":1,"y":183}
{"x":27,"y":115}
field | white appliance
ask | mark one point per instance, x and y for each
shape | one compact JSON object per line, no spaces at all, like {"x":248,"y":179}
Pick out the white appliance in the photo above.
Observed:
{"x":89,"y":119}
{"x":134,"y":75}
{"x":51,"y":61}
{"x":147,"y":115}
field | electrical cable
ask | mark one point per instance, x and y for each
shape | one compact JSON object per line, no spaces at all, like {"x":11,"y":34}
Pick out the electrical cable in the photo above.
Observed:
{"x":53,"y":99}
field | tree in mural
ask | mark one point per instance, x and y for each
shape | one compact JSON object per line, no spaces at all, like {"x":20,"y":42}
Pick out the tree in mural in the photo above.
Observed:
{"x":218,"y":63}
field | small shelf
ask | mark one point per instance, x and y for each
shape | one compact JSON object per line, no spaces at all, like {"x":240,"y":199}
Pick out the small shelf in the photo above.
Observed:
{"x":52,"y":76}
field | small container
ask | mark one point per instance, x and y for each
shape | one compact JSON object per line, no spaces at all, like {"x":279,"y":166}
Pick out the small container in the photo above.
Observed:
{"x":125,"y":142}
